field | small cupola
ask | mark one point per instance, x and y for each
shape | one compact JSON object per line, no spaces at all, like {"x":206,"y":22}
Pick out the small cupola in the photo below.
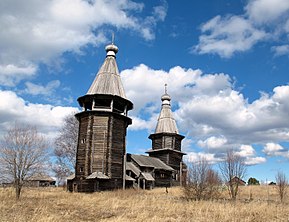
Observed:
{"x":111,"y":50}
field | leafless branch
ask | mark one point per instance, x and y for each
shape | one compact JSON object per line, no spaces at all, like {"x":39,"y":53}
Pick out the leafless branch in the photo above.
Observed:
{"x":23,"y":154}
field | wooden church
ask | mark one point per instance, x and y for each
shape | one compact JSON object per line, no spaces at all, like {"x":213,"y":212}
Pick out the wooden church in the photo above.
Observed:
{"x":101,"y":159}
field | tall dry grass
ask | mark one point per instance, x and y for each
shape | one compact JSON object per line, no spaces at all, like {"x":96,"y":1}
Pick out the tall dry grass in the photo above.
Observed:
{"x":54,"y":204}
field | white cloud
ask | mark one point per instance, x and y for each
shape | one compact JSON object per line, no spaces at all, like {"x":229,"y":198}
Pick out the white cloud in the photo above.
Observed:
{"x":280,"y":50}
{"x":262,"y":20}
{"x":213,"y":142}
{"x":208,"y":109}
{"x":273,"y":149}
{"x":264,"y":11}
{"x":46,"y":118}
{"x":226,"y":36}
{"x":151,"y":83}
{"x":255,"y":160}
{"x":246,"y":151}
{"x":34,"y":32}
{"x":35,"y":89}
{"x":194,"y":157}
{"x":11,"y":74}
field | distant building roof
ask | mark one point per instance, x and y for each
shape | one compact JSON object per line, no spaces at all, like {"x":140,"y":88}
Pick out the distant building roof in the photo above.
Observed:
{"x":40,"y":177}
{"x":236,"y":179}
{"x":147,"y":161}
{"x":166,"y":122}
{"x":107,"y":80}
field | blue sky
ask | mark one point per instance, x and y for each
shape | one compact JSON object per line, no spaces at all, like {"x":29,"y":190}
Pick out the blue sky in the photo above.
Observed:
{"x":225,"y":63}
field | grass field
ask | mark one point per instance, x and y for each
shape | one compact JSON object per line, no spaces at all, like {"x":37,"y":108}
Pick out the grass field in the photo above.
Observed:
{"x":55,"y":204}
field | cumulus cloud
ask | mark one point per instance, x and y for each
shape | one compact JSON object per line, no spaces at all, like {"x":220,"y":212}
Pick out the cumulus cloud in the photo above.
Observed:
{"x":264,"y":11}
{"x":262,"y":20}
{"x":46,"y":118}
{"x":213,"y":115}
{"x":246,"y":151}
{"x":225,"y":36}
{"x":177,"y":78}
{"x":274,"y":149}
{"x":194,"y":157}
{"x":34,"y":32}
{"x":254,"y":160}
{"x":213,"y":142}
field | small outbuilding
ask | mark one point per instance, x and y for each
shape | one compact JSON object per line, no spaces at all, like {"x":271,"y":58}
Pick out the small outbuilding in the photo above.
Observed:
{"x":147,"y":172}
{"x":236,"y":180}
{"x":40,"y":180}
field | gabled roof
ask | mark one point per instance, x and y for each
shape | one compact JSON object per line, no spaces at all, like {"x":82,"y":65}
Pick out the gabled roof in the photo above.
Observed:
{"x":147,"y":176}
{"x":130,"y":166}
{"x":147,"y":161}
{"x":166,"y":122}
{"x":107,"y":80}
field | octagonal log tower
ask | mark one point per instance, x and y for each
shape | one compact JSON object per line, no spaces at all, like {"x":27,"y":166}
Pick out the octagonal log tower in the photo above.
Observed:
{"x":103,"y":123}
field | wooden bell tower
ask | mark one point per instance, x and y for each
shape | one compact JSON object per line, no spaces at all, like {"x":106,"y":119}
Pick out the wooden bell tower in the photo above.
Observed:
{"x":166,"y":141}
{"x":103,"y":123}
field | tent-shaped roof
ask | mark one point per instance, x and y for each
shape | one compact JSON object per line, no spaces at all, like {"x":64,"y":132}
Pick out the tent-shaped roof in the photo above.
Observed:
{"x":107,"y":80}
{"x":166,"y":122}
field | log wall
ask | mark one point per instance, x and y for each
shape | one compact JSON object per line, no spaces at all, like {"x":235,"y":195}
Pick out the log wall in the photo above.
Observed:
{"x":101,"y":148}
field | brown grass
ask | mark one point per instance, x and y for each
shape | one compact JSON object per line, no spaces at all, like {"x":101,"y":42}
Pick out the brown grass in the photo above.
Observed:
{"x":54,"y":204}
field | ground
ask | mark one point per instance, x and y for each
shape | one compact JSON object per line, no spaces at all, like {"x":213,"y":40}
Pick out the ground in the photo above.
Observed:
{"x":255,"y":203}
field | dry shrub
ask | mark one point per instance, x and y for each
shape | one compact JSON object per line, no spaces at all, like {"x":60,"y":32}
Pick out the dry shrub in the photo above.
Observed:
{"x":203,"y":182}
{"x":281,"y":185}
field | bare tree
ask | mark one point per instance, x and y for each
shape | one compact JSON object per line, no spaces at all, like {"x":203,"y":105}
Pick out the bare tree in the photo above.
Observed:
{"x":281,"y":185}
{"x":23,"y":154}
{"x":65,"y":148}
{"x":233,"y":170}
{"x":203,"y":182}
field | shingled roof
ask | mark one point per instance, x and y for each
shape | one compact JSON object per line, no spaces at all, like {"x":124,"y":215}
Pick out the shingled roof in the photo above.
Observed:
{"x":166,"y":122}
{"x":147,"y":161}
{"x":107,"y":80}
{"x":130,"y":166}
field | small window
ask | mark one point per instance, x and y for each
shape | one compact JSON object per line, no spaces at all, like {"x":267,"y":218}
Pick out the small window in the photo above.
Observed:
{"x":83,"y":140}
{"x":80,"y":169}
{"x":162,"y":175}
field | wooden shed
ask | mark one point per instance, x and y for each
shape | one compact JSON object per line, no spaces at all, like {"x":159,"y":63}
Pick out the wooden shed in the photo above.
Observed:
{"x":40,"y":180}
